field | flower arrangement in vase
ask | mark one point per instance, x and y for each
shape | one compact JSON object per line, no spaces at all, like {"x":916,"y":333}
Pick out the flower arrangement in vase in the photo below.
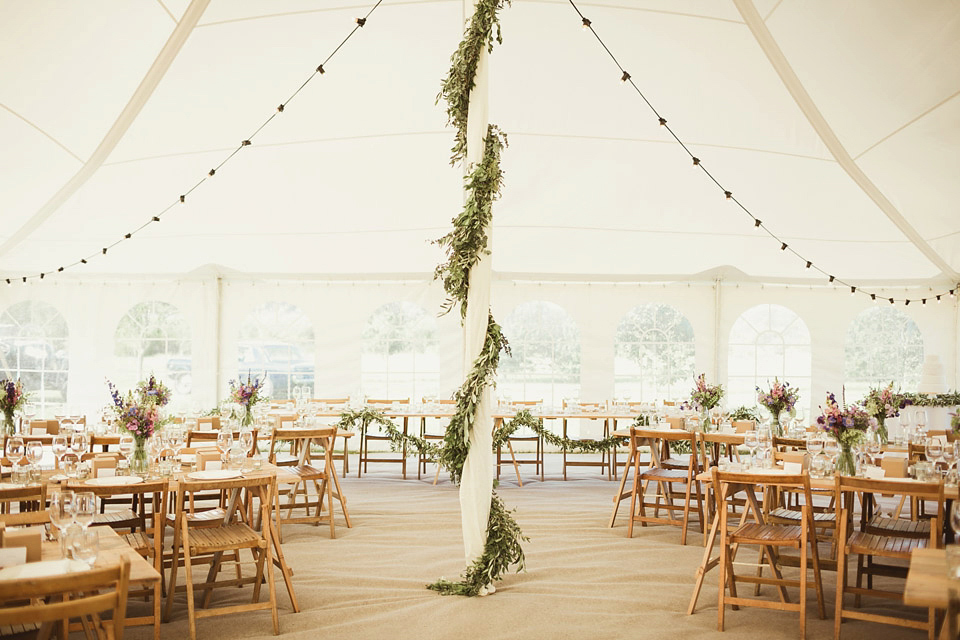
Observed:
{"x":779,"y":398}
{"x":882,"y":404}
{"x":848,"y":426}
{"x":12,"y":398}
{"x":246,"y":395}
{"x":705,"y":397}
{"x":139,"y":414}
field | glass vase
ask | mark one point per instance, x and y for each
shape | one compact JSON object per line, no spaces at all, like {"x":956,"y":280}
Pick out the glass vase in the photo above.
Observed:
{"x":882,"y":431}
{"x":846,"y":465}
{"x":9,"y":426}
{"x":705,"y":420}
{"x":140,"y":461}
{"x":244,"y":415}
{"x":775,"y":424}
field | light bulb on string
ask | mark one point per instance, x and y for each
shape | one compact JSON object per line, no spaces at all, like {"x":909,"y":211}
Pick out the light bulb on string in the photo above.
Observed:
{"x":624,"y":78}
{"x":663,"y":122}
{"x":586,"y":24}
{"x":853,"y":290}
{"x":783,"y":246}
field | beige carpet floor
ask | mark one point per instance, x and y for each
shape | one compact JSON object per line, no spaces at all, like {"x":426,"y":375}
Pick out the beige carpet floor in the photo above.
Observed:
{"x":583,"y":579}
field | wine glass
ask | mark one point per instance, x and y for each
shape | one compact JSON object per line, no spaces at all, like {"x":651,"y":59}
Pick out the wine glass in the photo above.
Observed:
{"x":61,"y":514}
{"x":873,"y":447}
{"x":15,"y":449}
{"x":34,"y":452}
{"x":78,"y":443}
{"x":85,"y":508}
{"x":905,"y":426}
{"x":60,"y":446}
{"x":751,"y":442}
{"x":934,"y":449}
{"x":224,"y":442}
{"x":921,"y":418}
{"x":949,"y":455}
{"x":246,"y":441}
{"x":831,"y":448}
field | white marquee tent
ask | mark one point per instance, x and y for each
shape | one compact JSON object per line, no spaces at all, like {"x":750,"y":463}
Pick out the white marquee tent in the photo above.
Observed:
{"x":836,"y":124}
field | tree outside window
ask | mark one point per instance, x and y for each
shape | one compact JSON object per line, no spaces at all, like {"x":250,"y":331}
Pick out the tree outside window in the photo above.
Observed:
{"x":276,"y":344}
{"x":654,"y":354}
{"x":154,"y":338}
{"x":400,"y":353}
{"x":33,"y":348}
{"x":883,"y":344}
{"x":545,"y":365}
{"x":766,"y":342}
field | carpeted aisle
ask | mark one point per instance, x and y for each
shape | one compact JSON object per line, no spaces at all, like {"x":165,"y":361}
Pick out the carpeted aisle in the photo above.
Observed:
{"x":583,"y":579}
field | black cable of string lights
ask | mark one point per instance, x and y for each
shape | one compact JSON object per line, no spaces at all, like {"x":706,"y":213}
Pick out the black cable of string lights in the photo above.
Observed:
{"x":757,"y":222}
{"x":320,"y":70}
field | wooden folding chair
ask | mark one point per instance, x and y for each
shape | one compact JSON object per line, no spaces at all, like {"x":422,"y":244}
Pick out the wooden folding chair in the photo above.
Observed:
{"x":428,"y":435}
{"x":307,"y":472}
{"x":890,"y":539}
{"x":28,"y":498}
{"x":771,"y":538}
{"x":146,"y":539}
{"x":210,"y":543}
{"x":606,"y":457}
{"x":665,"y":480}
{"x":522,"y":435}
{"x":377,"y":436}
{"x":84,"y":595}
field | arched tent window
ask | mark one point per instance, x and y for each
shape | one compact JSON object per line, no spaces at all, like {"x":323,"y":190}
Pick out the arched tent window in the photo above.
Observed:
{"x":766,"y":342}
{"x":883,"y":344}
{"x":33,"y":348}
{"x":400,"y":357}
{"x":654,"y":354}
{"x":276,"y":344}
{"x":545,"y":365}
{"x":154,"y":337}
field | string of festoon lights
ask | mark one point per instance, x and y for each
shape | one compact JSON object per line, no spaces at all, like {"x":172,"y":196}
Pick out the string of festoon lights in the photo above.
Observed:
{"x":246,"y":142}
{"x":785,"y":247}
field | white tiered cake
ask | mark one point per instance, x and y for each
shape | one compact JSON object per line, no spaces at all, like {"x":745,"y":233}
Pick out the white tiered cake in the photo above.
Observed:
{"x":932,"y":379}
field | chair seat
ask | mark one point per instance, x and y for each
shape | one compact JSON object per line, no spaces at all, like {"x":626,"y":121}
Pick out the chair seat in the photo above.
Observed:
{"x":231,"y":536}
{"x":117,"y":518}
{"x":286,"y":460}
{"x":773,"y":534}
{"x":885,"y":545}
{"x":140,"y":543}
{"x":792,"y":514}
{"x":665,"y":475}
{"x":899,"y":527}
{"x":210,"y":517}
{"x":307,"y":472}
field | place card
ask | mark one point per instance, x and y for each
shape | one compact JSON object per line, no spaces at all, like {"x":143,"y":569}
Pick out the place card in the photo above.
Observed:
{"x":894,"y":466}
{"x":13,"y":556}
{"x":29,"y":538}
{"x":793,"y":467}
{"x":874,"y":473}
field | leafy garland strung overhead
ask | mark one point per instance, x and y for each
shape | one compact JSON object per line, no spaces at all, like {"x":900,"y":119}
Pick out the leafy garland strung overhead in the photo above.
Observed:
{"x":933,"y":400}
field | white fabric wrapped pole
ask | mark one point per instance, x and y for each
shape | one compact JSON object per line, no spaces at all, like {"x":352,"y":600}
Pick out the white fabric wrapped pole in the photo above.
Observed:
{"x":476,"y":485}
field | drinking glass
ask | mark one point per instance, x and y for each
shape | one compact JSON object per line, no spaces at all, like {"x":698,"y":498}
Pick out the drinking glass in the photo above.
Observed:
{"x":934,"y":450}
{"x":921,"y":418}
{"x":78,"y":443}
{"x":873,"y":447}
{"x":949,"y":455}
{"x":85,"y":545}
{"x":60,"y":446}
{"x":751,"y":442}
{"x":224,"y":442}
{"x":61,"y":514}
{"x":246,"y":441}
{"x":814,"y":444}
{"x":15,"y":449}
{"x":127,"y":445}
{"x":85,"y":508}
{"x":34,"y":452}
{"x":831,"y":448}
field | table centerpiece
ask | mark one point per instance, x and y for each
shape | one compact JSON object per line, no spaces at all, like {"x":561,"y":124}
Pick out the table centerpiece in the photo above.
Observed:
{"x":882,"y":404}
{"x":245,"y":396}
{"x":12,"y":398}
{"x":705,"y":397}
{"x":139,"y":414}
{"x":779,"y":398}
{"x":847,"y":425}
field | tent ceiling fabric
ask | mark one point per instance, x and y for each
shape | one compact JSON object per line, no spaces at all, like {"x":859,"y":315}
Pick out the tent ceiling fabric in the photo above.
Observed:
{"x":353,"y":177}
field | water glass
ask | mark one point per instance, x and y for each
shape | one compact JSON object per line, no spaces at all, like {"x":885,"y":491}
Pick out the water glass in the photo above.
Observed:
{"x":61,"y":514}
{"x":85,"y":545}
{"x":85,"y":508}
{"x":751,"y":442}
